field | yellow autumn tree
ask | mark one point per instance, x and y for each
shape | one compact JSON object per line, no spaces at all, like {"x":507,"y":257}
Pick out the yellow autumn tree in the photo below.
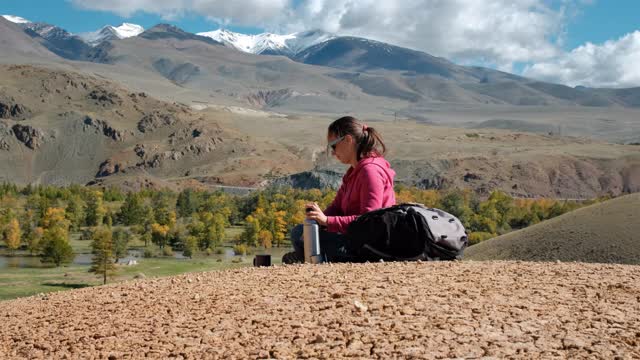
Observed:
{"x":298,"y":213}
{"x":404,"y":195}
{"x":279,"y":227}
{"x":159,"y":234}
{"x":55,"y":247}
{"x":430,"y":198}
{"x":266,"y":239}
{"x":12,"y":235}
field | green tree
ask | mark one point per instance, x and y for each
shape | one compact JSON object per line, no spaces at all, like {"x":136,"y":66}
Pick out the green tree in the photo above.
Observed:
{"x":162,"y":208}
{"x":190,"y":246}
{"x":108,"y":218}
{"x":113,"y":194}
{"x":132,"y":210}
{"x":120,"y":238}
{"x":251,"y":233}
{"x":217,"y":229}
{"x":503,"y":204}
{"x":75,"y":212}
{"x":39,"y":205}
{"x":95,"y":209}
{"x":102,"y":248}
{"x":55,"y":247}
{"x":197,"y":229}
{"x":212,"y":231}
{"x":34,"y":240}
{"x":148,"y":219}
{"x":188,"y":203}
{"x":456,"y":204}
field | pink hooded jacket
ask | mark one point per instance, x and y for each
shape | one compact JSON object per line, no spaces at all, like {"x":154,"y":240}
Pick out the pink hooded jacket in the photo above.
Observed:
{"x":367,"y":187}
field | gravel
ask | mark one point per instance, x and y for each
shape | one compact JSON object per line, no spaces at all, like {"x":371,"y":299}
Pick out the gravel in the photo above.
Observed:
{"x":379,"y":310}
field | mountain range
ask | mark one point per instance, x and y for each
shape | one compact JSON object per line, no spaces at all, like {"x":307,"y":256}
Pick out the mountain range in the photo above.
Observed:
{"x":116,"y":107}
{"x":378,"y":69}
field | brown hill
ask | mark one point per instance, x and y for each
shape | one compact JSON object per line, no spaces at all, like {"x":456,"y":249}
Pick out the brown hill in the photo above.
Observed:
{"x":380,"y":311}
{"x":607,"y":232}
{"x":62,"y":127}
{"x":16,"y":46}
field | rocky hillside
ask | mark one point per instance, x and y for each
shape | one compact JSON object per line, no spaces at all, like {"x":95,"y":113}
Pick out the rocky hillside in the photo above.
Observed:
{"x":60,"y":127}
{"x":521,"y":164}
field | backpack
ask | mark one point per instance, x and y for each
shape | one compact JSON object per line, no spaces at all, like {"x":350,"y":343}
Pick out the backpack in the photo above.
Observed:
{"x":406,"y":232}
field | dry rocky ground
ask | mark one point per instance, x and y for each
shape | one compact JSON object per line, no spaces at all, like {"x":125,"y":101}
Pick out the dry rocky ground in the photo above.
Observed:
{"x":378,"y":310}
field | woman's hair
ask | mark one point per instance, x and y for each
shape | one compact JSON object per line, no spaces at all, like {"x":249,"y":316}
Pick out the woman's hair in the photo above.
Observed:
{"x":368,"y":139}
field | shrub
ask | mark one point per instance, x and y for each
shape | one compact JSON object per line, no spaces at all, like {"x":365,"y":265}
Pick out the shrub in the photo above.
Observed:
{"x":86,"y":234}
{"x":167,"y":251}
{"x":240,"y":249}
{"x":148,"y":253}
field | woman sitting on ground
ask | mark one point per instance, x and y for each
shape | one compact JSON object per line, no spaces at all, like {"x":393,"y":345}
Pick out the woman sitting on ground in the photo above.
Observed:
{"x":366,"y":186}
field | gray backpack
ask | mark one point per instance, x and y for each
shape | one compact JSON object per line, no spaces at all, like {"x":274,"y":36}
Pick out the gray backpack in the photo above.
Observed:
{"x":406,"y":232}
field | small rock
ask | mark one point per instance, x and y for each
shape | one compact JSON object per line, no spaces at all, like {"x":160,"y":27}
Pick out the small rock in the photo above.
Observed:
{"x":319,"y":340}
{"x":407,"y":311}
{"x":573,"y":343}
{"x":360,"y":306}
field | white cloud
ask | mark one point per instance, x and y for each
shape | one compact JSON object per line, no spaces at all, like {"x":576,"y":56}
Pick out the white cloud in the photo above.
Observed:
{"x":494,"y":33}
{"x":616,"y":63}
{"x":245,"y":12}
{"x":499,"y":32}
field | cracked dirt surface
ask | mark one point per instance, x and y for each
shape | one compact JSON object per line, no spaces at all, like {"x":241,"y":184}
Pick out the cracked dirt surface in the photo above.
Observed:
{"x":381,"y":310}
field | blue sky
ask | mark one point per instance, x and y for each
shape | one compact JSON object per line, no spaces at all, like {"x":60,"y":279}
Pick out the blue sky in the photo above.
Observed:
{"x":597,"y":22}
{"x":603,"y":20}
{"x":73,"y":19}
{"x":542,"y":39}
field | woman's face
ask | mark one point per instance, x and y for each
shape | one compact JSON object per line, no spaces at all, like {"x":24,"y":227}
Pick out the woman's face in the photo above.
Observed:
{"x":339,"y":146}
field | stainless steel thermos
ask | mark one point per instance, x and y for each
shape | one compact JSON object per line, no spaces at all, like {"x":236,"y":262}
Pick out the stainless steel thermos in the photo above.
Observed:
{"x":311,"y":235}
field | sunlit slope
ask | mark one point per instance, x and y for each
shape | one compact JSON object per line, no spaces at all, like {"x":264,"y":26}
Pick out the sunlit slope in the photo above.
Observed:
{"x":607,"y":232}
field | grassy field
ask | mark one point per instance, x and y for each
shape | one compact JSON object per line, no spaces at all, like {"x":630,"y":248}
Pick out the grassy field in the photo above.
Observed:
{"x":19,"y":282}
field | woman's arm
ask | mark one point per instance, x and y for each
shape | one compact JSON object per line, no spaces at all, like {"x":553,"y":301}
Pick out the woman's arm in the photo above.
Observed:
{"x":334,"y":208}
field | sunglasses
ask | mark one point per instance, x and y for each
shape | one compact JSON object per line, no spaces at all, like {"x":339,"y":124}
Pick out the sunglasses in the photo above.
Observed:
{"x":335,"y":142}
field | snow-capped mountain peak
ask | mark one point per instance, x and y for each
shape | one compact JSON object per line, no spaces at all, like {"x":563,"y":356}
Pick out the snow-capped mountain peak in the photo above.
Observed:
{"x":268,"y":43}
{"x":16,"y":19}
{"x":126,"y":30}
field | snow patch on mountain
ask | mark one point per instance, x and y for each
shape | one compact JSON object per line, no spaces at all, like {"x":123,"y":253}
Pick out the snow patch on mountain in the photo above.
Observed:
{"x":16,"y":19}
{"x":289,"y":44}
{"x":126,"y":30}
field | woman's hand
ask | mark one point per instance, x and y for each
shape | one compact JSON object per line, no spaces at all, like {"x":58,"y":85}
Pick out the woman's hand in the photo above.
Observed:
{"x":314,"y":212}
